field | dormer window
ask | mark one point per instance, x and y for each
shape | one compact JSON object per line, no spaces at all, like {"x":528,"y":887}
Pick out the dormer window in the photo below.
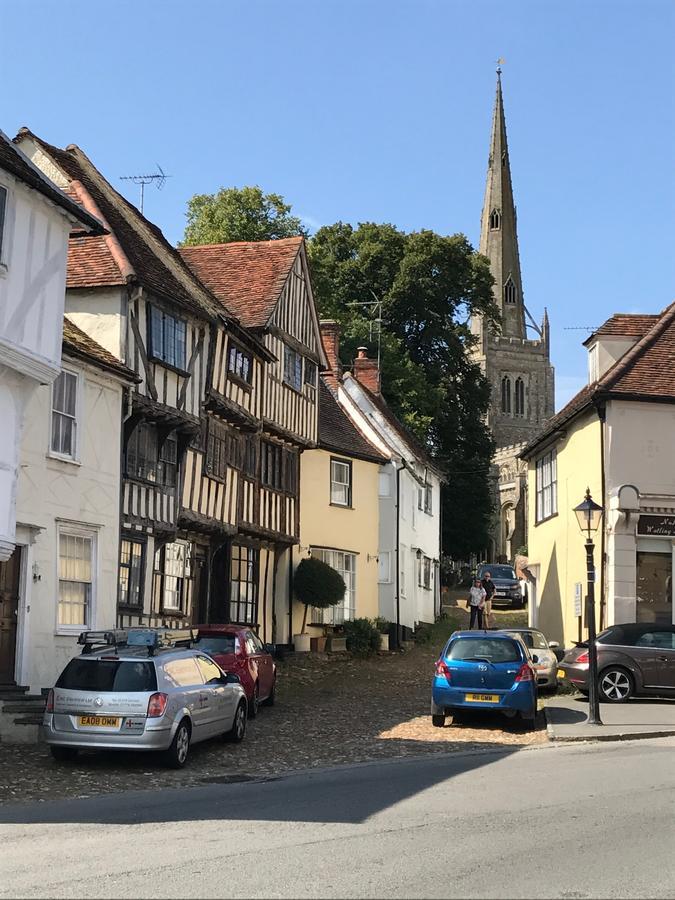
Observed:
{"x":506,"y":395}
{"x":495,"y":220}
{"x":510,"y":292}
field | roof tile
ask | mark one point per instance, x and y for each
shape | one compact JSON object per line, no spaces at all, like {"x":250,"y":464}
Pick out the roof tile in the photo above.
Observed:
{"x":337,"y":431}
{"x":75,"y":340}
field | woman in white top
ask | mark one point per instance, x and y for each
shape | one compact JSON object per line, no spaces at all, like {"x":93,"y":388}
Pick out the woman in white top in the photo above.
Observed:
{"x":476,"y":604}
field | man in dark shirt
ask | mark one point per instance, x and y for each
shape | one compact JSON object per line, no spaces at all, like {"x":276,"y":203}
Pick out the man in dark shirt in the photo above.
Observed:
{"x":488,"y":586}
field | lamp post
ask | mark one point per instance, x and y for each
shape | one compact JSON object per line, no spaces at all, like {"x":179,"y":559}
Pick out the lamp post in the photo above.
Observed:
{"x":589,"y":516}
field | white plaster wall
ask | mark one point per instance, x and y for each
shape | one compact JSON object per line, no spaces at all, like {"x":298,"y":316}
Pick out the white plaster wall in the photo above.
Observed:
{"x":387,"y":540}
{"x":641,"y":446}
{"x":609,"y":350}
{"x":87,"y":493}
{"x":102,"y":315}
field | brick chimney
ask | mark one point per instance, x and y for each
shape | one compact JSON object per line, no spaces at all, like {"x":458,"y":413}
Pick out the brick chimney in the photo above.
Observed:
{"x":330,"y":337}
{"x":367,"y":371}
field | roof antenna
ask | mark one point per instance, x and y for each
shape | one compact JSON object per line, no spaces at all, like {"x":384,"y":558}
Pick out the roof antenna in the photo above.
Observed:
{"x":158,"y":179}
{"x":375,"y":320}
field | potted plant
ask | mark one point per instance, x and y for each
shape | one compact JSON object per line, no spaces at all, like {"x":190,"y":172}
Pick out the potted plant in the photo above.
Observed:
{"x":338,"y":640}
{"x":383,"y":626}
{"x":315,"y":584}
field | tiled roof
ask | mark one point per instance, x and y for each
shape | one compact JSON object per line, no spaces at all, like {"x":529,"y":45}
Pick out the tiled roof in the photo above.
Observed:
{"x":625,"y":325}
{"x":646,"y":371}
{"x":247,"y":276}
{"x":76,"y":342}
{"x":151,"y":258}
{"x":17,"y":163}
{"x":337,"y":432}
{"x":90,"y":263}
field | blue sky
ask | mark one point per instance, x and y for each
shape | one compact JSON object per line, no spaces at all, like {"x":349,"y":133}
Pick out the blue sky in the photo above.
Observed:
{"x":380,"y":110}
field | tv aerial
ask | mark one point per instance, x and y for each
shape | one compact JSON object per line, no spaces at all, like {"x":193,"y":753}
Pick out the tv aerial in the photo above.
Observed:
{"x":157,"y":179}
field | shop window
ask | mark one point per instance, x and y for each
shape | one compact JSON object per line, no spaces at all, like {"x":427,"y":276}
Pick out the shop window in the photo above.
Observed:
{"x":654,"y":587}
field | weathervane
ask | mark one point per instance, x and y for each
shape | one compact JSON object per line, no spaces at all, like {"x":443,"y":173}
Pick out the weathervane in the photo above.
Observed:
{"x":500,"y":63}
{"x":158,"y":179}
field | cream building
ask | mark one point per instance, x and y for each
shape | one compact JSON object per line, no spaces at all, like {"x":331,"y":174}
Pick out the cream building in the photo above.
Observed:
{"x":339,"y":515}
{"x":616,"y":436}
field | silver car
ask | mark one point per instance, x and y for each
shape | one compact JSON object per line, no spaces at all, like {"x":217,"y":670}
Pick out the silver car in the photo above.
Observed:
{"x":142,"y":690}
{"x":544,"y":659}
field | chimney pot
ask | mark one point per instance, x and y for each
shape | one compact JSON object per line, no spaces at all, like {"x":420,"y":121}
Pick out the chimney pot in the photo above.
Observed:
{"x":363,"y":352}
{"x":367,"y":371}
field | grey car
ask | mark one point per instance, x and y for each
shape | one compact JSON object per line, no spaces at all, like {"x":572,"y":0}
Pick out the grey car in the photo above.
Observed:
{"x":507,"y":585}
{"x":542,"y":651}
{"x":142,"y":690}
{"x":633,"y":660}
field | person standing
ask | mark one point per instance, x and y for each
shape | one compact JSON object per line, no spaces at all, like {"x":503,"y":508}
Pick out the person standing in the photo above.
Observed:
{"x":476,"y":604}
{"x":488,"y":586}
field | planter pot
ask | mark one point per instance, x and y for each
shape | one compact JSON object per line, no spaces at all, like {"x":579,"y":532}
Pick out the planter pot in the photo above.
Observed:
{"x":301,"y":643}
{"x":338,"y":644}
{"x":318,"y":644}
{"x":384,"y":642}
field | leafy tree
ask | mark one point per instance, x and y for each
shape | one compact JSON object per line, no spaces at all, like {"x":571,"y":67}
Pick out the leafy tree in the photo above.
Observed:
{"x":239,"y":214}
{"x":317,"y":584}
{"x":429,"y":286}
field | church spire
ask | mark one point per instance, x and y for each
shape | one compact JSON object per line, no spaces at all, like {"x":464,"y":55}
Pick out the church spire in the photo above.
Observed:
{"x":498,"y":234}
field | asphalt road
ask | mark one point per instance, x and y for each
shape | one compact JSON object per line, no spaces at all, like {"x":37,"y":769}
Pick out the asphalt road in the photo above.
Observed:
{"x":570,"y":822}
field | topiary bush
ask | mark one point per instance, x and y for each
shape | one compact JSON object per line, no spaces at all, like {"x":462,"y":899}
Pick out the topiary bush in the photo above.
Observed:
{"x":315,"y":583}
{"x":363,"y":636}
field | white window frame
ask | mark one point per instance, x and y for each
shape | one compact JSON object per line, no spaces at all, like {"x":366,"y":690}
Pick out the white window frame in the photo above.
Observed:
{"x":384,"y":567}
{"x":80,"y":388}
{"x":402,"y":567}
{"x":346,"y":609}
{"x":429,"y":499}
{"x":78,"y":530}
{"x":546,"y":486}
{"x":345,"y":463}
{"x":4,"y":229}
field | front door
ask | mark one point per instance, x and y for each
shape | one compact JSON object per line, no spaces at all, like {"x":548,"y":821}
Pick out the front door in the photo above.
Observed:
{"x":9,"y":607}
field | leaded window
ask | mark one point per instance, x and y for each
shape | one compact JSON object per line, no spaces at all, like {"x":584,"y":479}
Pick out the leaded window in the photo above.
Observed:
{"x":240,"y":363}
{"x":168,"y":337}
{"x":244,"y":585}
{"x":131,"y":573}
{"x":292,"y":368}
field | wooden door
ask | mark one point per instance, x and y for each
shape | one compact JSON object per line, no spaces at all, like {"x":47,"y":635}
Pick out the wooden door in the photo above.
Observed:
{"x":9,"y":607}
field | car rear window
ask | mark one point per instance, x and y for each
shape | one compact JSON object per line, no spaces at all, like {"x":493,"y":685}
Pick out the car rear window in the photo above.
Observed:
{"x":108,"y":675}
{"x":492,"y":649}
{"x":221,"y":643}
{"x":535,"y":640}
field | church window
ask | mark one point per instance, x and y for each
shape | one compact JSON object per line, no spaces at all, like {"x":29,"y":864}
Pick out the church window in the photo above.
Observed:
{"x":510,"y":291}
{"x":495,"y":220}
{"x":506,"y":395}
{"x":519,"y":397}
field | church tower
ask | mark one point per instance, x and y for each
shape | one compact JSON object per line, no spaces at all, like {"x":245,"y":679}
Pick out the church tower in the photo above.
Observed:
{"x":517,"y":366}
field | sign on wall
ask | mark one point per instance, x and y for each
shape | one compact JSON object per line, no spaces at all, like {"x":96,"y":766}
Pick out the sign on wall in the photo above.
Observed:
{"x":656,"y":526}
{"x":577,"y":598}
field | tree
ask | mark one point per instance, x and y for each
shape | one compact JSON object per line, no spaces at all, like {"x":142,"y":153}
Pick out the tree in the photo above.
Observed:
{"x":429,"y":285}
{"x":239,"y":214}
{"x":317,"y":584}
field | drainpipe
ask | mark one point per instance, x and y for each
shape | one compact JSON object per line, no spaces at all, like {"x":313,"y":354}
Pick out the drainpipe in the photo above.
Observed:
{"x":601,"y":409}
{"x":290,"y":595}
{"x":399,"y":469}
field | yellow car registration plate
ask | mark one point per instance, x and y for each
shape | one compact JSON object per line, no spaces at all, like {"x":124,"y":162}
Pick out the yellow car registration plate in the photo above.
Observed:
{"x":561,"y":673}
{"x":482,"y":698}
{"x":100,"y":721}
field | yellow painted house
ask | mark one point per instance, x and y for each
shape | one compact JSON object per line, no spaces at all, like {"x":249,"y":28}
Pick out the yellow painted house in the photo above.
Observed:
{"x":339,"y":515}
{"x":616,"y":437}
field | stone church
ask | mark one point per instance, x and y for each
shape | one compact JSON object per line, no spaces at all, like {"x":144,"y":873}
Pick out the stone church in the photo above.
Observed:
{"x":516,"y":361}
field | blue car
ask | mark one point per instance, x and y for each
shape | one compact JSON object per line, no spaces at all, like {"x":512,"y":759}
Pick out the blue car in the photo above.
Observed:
{"x":484,"y":670}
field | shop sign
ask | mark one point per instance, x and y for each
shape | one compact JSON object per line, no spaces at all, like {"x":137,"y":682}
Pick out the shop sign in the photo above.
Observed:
{"x":657,"y":526}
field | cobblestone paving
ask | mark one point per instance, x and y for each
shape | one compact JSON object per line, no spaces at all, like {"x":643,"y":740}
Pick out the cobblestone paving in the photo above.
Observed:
{"x":329,"y":712}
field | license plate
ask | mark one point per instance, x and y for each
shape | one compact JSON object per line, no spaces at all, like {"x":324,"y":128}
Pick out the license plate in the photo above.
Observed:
{"x":561,"y":673}
{"x":100,"y":721}
{"x":482,"y":698}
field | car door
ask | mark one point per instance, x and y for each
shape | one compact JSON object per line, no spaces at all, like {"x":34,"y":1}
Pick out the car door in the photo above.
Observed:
{"x":664,"y":646}
{"x":264,"y":663}
{"x":221,"y":705}
{"x":645,"y":656}
{"x":184,"y":677}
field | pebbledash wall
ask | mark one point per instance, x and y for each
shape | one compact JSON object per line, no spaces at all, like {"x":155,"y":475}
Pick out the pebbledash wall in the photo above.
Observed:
{"x":79,"y":497}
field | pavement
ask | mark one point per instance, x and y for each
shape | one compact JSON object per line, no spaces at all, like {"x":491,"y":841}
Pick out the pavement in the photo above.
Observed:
{"x":563,"y":821}
{"x":638,"y":718}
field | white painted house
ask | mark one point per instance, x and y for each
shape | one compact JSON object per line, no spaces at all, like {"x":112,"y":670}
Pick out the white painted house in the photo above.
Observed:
{"x":36,"y":219}
{"x":68,"y":508}
{"x":409,"y":495}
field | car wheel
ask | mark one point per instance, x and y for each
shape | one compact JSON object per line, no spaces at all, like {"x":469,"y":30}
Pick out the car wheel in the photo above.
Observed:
{"x":63,"y":754}
{"x":529,"y":720}
{"x":254,"y":702}
{"x":236,"y":734}
{"x":438,"y":721}
{"x":270,"y":700}
{"x":177,"y":754}
{"x":615,"y":685}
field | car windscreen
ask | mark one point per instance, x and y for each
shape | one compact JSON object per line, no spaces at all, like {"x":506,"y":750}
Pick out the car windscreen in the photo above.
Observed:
{"x":492,"y":649}
{"x":103,"y":675}
{"x":535,"y":640}
{"x":216,"y":643}
{"x":501,"y":572}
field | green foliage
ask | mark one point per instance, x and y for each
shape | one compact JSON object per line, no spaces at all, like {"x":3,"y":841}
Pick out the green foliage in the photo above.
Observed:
{"x":430,"y":285}
{"x":317,"y":584}
{"x":522,"y":551}
{"x":239,"y":214}
{"x":363,"y":636}
{"x":382,"y":624}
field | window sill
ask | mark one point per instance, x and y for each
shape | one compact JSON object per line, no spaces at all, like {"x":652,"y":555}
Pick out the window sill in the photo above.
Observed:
{"x":147,"y":483}
{"x":341,"y":505}
{"x":547,"y":519}
{"x":241,"y":382}
{"x":167,"y":365}
{"x":292,"y":387}
{"x":75,"y":631}
{"x":174,"y":613}
{"x":70,"y":460}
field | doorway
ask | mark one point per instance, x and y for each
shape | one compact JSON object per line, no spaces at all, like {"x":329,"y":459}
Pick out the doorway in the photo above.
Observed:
{"x":10,"y":578}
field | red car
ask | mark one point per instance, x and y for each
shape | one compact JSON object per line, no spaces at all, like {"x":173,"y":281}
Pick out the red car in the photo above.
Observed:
{"x":237,"y":649}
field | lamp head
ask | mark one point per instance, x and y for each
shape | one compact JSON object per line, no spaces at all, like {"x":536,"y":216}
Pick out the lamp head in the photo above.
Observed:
{"x":589,"y":515}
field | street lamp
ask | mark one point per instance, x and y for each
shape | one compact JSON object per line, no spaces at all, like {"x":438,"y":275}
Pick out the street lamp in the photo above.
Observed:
{"x":589,"y":516}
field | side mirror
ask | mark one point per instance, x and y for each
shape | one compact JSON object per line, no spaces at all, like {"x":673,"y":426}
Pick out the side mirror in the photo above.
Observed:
{"x":553,"y":644}
{"x":270,"y":648}
{"x":232,"y":678}
{"x":535,"y":658}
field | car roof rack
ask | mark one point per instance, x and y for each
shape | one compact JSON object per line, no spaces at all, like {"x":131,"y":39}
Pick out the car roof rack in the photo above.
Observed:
{"x":111,"y":638}
{"x":160,"y":638}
